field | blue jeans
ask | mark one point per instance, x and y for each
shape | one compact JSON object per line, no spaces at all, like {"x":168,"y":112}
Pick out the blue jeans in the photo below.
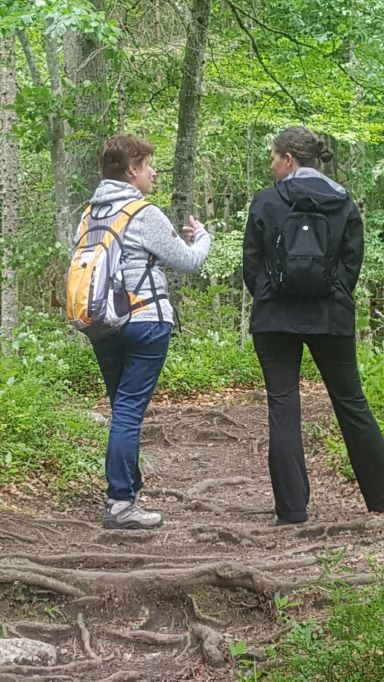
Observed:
{"x":130,"y":362}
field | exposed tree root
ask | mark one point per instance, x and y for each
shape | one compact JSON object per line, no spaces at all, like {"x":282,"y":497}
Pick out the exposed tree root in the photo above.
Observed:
{"x":29,"y":578}
{"x":270,"y":664}
{"x":9,"y":535}
{"x":36,"y":629}
{"x":208,"y":483}
{"x":29,"y":670}
{"x":199,"y":505}
{"x":203,"y":616}
{"x":18,"y":520}
{"x":212,"y":643}
{"x":326,"y":530}
{"x":228,"y":533}
{"x":86,"y":639}
{"x":218,"y":574}
{"x":288,"y":565}
{"x":165,"y":492}
{"x":47,"y":523}
{"x":211,"y":435}
{"x":123,"y":676}
{"x":103,"y":559}
{"x":8,"y":677}
{"x":147,"y":637}
{"x":155,"y":431}
{"x":213,"y":413}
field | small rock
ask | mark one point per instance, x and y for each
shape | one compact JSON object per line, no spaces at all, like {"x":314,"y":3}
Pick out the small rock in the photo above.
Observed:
{"x":246,"y":543}
{"x":25,"y":651}
{"x":98,"y":418}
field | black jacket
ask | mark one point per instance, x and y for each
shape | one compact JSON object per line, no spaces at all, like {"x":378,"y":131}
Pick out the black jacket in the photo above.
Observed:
{"x":274,"y":312}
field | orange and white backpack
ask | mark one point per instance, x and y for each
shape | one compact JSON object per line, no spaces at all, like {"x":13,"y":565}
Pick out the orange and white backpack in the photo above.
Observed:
{"x":97,"y":300}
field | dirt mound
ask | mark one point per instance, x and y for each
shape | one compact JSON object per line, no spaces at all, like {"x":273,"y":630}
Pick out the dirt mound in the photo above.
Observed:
{"x":163,"y":605}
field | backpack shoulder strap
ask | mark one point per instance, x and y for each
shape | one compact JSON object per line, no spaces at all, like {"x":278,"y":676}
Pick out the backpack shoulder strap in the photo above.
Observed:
{"x":133,"y":207}
{"x":83,"y":227}
{"x":122,"y":220}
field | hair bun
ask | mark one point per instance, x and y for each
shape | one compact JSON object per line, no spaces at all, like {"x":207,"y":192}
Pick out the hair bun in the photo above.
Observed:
{"x":325,"y":155}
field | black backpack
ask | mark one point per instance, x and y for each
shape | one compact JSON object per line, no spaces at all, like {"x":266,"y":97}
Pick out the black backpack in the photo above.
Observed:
{"x":302,"y":261}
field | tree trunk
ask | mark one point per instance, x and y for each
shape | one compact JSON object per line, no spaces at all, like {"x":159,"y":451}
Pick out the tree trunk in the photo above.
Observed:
{"x":59,"y":156}
{"x":56,"y":132}
{"x":210,"y":214}
{"x":189,"y":110}
{"x":188,"y":126}
{"x":157,"y":20}
{"x":85,"y":66}
{"x":8,"y":183}
{"x":246,"y":300}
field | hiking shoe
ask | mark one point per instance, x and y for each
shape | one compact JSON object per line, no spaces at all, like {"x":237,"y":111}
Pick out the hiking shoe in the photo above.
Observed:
{"x":130,"y":516}
{"x":285,"y":522}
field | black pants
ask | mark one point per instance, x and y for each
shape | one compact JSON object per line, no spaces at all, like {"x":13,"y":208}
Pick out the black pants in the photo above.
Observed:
{"x":280,"y":358}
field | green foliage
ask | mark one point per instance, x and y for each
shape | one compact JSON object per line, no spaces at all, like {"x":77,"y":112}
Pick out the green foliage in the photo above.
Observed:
{"x":44,"y":428}
{"x":349,"y":646}
{"x":373,"y":266}
{"x":371,"y":366}
{"x":210,"y":363}
{"x":226,"y":253}
{"x":52,"y":377}
{"x":48,"y":349}
{"x":58,"y":18}
{"x":207,"y":355}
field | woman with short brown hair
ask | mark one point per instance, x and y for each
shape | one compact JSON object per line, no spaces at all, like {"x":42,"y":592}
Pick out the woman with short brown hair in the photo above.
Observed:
{"x":131,"y":359}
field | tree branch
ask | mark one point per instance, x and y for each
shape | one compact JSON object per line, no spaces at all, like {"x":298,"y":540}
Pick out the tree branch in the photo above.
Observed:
{"x":301,"y":43}
{"x":30,"y":59}
{"x":299,"y":109}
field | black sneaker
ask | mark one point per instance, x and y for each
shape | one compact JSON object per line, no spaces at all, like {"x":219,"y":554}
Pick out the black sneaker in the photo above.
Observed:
{"x":285,"y":522}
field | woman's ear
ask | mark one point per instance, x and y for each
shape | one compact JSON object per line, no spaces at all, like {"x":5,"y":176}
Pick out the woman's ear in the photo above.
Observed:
{"x":132,"y":171}
{"x":289,"y":160}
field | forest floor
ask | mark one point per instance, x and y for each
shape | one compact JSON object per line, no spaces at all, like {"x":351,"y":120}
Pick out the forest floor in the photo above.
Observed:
{"x":163,"y":605}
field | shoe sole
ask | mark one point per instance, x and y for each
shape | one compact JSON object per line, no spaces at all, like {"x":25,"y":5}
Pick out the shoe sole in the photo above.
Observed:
{"x":130,"y":525}
{"x":282,"y":522}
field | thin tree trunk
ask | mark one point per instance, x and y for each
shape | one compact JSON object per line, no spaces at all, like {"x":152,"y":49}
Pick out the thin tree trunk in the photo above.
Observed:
{"x":58,"y":152}
{"x":188,"y":125}
{"x":210,"y":214}
{"x":8,"y":183}
{"x":246,"y":298}
{"x":189,"y":110}
{"x":85,"y":66}
{"x":56,"y":132}
{"x":157,"y":20}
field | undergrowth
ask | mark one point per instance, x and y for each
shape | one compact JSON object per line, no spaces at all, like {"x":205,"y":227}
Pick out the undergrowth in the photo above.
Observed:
{"x":346,"y":647}
{"x":50,"y":380}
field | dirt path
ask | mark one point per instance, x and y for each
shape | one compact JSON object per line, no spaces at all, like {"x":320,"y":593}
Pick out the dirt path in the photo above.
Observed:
{"x":163,"y":605}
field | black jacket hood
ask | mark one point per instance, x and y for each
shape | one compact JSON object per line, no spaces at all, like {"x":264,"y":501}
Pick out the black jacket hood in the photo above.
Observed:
{"x":312,"y":191}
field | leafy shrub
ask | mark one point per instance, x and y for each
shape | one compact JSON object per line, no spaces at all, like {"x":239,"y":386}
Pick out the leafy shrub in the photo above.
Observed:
{"x":48,"y":348}
{"x":40,"y":432}
{"x":349,"y":646}
{"x":209,"y":363}
{"x":371,"y":366}
{"x":52,"y":375}
{"x":44,"y":428}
